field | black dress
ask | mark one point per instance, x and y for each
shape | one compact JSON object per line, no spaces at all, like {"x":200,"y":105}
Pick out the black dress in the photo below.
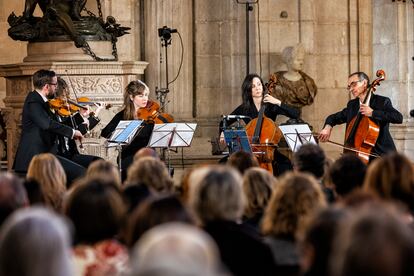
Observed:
{"x":140,"y":141}
{"x":281,"y":163}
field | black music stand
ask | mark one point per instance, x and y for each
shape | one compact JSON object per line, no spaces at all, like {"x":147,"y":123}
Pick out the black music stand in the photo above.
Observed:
{"x":237,"y":140}
{"x":172,"y":135}
{"x":123,"y":135}
{"x":297,"y":135}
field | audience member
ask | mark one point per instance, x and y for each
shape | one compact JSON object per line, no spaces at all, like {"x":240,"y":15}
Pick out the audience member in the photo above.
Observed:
{"x":218,"y":202}
{"x":295,"y":200}
{"x":153,"y":212}
{"x":104,"y":169}
{"x":391,"y":177}
{"x":242,"y":160}
{"x":311,"y":158}
{"x":375,"y":241}
{"x":257,"y":188}
{"x":97,"y":211}
{"x":175,"y":249}
{"x":347,"y":174}
{"x":35,"y":242}
{"x":317,"y":246}
{"x":145,"y":152}
{"x":151,"y":172}
{"x":46,"y":169}
{"x":12,"y":195}
{"x":134,"y":195}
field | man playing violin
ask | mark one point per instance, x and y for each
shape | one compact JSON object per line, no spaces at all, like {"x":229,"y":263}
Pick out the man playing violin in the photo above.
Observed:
{"x":378,"y":108}
{"x":39,"y":127}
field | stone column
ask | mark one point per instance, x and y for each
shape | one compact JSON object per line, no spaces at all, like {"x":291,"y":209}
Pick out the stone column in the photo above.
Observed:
{"x":99,"y":81}
{"x":393,"y":51}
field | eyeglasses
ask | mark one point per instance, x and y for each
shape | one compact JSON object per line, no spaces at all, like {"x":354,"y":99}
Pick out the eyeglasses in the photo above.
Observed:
{"x":352,"y":84}
{"x":51,"y":83}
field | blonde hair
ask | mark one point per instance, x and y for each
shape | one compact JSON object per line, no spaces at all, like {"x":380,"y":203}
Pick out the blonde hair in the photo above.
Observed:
{"x":218,"y":195}
{"x":151,"y":172}
{"x":46,"y":169}
{"x":133,"y":89}
{"x":104,"y":169}
{"x":293,"y":204}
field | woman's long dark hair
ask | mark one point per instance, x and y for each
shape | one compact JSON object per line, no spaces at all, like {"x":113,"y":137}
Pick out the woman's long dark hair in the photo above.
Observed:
{"x":247,"y":90}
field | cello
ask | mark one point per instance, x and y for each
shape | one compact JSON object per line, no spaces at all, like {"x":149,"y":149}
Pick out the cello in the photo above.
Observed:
{"x":362,"y":132}
{"x":264,"y":136}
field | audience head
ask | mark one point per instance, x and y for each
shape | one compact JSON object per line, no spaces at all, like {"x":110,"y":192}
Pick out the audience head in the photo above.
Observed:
{"x":146,"y":152}
{"x":375,"y":241}
{"x":96,"y":209}
{"x":310,"y":158}
{"x":151,"y":172}
{"x":46,"y":169}
{"x":133,"y":89}
{"x":391,"y":177}
{"x":347,"y":173}
{"x":218,"y":195}
{"x":242,"y":160}
{"x":153,"y":212}
{"x":104,"y":169}
{"x":134,"y":195}
{"x":319,"y":239}
{"x":12,"y":195}
{"x":295,"y":200}
{"x":36,"y":242}
{"x":257,"y":188}
{"x":175,"y":249}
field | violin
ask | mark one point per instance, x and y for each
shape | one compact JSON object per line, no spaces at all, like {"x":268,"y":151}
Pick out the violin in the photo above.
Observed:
{"x":84,"y":101}
{"x":63,"y":108}
{"x":151,"y":113}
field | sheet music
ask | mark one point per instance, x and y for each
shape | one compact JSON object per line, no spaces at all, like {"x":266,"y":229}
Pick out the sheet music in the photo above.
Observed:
{"x":124,"y":133}
{"x":290,"y":132}
{"x":172,"y":135}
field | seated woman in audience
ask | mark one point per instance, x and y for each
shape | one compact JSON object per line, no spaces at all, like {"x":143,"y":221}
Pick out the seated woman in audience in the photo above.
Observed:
{"x":104,"y":169}
{"x":46,"y":170}
{"x":374,"y":241}
{"x":155,"y":211}
{"x":217,"y":201}
{"x":97,"y":211}
{"x":151,"y":172}
{"x":35,"y":242}
{"x":257,"y":188}
{"x":242,"y":161}
{"x":175,"y":249}
{"x":391,"y":177}
{"x":295,"y":200}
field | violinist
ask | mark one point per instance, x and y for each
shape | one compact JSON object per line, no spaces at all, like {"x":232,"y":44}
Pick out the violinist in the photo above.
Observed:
{"x":253,"y":97}
{"x":79,"y":118}
{"x":378,"y":108}
{"x":135,"y":97}
{"x":39,"y":127}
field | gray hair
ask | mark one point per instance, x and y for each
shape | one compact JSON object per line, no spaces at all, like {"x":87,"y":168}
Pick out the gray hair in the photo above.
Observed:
{"x":219,"y":195}
{"x":35,"y":242}
{"x":175,"y":249}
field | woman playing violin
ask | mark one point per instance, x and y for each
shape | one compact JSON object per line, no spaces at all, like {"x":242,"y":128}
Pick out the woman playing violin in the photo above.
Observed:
{"x":377,"y":108}
{"x":77,"y":118}
{"x":253,"y":97}
{"x":135,"y":97}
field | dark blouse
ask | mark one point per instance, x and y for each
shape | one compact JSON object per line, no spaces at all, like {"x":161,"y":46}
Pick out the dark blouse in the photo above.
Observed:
{"x":140,"y":141}
{"x":271,"y":111}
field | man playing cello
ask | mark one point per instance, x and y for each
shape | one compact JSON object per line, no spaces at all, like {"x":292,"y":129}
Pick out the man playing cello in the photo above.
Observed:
{"x":377,"y":108}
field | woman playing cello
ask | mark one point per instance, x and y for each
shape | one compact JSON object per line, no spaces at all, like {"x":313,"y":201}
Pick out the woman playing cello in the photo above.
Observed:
{"x":135,"y":97}
{"x":253,"y":97}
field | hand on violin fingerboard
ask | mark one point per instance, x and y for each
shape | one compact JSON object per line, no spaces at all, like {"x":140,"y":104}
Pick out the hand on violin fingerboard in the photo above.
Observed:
{"x":270,"y":99}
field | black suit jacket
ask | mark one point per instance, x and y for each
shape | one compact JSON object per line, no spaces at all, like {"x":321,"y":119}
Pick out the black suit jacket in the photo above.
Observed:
{"x":384,"y":114}
{"x":39,"y":131}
